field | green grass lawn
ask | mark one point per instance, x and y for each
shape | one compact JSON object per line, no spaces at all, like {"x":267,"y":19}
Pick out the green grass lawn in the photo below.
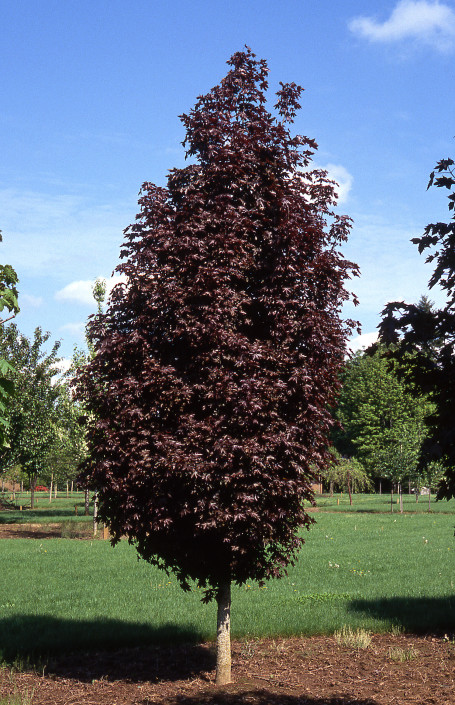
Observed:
{"x":381,"y":503}
{"x":60,"y":509}
{"x":375,"y":571}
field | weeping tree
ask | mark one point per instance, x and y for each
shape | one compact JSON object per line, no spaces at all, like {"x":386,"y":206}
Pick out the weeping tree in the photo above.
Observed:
{"x":215,"y":366}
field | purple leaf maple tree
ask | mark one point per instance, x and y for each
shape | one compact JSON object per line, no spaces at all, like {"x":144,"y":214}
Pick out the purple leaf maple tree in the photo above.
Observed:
{"x":216,"y":364}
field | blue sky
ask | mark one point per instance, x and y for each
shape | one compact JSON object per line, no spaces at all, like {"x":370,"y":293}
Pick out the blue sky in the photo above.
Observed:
{"x":89,"y":103}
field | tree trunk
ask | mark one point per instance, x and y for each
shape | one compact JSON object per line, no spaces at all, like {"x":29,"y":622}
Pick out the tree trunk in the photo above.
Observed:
{"x":67,"y":490}
{"x":349,"y":489}
{"x":95,"y":514}
{"x":223,"y":635}
{"x":32,"y":491}
{"x":50,"y":489}
{"x":87,"y":503}
{"x":380,"y":487}
{"x":391,"y":499}
{"x":331,"y":488}
{"x":401,"y":498}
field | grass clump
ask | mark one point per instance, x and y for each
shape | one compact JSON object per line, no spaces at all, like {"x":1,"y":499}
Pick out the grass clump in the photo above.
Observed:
{"x":353,"y":638}
{"x":398,"y":654}
{"x":18,"y":698}
{"x":396,"y":630}
{"x":69,"y":530}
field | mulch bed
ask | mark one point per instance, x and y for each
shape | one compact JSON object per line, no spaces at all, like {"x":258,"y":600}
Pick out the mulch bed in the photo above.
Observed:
{"x":297,"y":671}
{"x":80,"y":530}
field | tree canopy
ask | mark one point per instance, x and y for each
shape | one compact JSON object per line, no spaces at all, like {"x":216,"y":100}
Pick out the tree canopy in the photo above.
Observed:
{"x":8,"y":301}
{"x":31,"y":412}
{"x":382,"y":418}
{"x":216,"y":364}
{"x":428,"y":334}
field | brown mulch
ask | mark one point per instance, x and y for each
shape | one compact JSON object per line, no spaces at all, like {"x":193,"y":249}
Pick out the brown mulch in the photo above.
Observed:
{"x":297,"y":671}
{"x":79,"y":530}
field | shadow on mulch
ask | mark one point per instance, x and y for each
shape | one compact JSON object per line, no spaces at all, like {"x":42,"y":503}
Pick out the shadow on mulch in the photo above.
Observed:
{"x":258,"y":697}
{"x":137,"y":665}
{"x":416,"y":615}
{"x":77,"y":649}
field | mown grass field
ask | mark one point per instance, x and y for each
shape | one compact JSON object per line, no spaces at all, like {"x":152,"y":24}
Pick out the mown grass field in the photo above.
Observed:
{"x":370,"y":570}
{"x":60,"y":509}
{"x":375,"y":503}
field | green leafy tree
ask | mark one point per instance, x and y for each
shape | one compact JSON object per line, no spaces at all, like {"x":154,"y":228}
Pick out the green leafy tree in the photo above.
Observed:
{"x":346,"y":474}
{"x":216,"y":364}
{"x":9,"y":303}
{"x":427,"y":335}
{"x":68,"y":448}
{"x":32,"y":409}
{"x":383,"y":420}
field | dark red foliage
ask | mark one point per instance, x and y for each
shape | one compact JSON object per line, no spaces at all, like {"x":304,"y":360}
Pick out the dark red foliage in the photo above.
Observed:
{"x":217,"y":362}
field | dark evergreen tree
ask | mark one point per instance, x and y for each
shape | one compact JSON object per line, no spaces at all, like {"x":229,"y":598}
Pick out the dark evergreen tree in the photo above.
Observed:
{"x":208,"y":398}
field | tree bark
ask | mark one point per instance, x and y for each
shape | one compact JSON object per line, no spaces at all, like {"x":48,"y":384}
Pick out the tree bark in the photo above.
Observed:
{"x":32,"y":491}
{"x":87,"y":502}
{"x":223,"y":635}
{"x":95,"y":514}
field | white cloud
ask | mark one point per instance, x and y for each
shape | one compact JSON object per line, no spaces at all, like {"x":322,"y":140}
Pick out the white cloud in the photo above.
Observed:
{"x":344,"y":179}
{"x":78,"y":291}
{"x":29,"y":300}
{"x":425,"y":21}
{"x":362,"y":341}
{"x":63,"y":365}
{"x":82,"y":291}
{"x":77,"y":330}
{"x":56,"y":235}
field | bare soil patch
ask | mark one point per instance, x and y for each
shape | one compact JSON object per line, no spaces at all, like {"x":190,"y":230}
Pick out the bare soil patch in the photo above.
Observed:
{"x":78,"y":530}
{"x":297,"y":671}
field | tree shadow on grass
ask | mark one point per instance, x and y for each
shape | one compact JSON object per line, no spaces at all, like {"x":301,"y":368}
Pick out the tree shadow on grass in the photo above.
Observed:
{"x":107,"y":649}
{"x":417,"y":615}
{"x":259,"y":697}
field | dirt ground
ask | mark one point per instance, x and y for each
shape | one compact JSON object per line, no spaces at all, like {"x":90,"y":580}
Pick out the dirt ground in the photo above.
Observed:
{"x":298,"y":671}
{"x":78,"y":530}
{"x":394,"y":669}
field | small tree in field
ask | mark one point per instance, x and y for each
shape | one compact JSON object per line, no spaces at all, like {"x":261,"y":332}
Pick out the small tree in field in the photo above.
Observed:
{"x":208,"y":397}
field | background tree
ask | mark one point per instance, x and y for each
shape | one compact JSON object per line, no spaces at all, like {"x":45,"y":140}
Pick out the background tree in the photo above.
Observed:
{"x":32,"y":409}
{"x":346,"y":474}
{"x":8,"y":301}
{"x":383,"y":420}
{"x":68,"y":448}
{"x":216,"y":364}
{"x":416,"y":329}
